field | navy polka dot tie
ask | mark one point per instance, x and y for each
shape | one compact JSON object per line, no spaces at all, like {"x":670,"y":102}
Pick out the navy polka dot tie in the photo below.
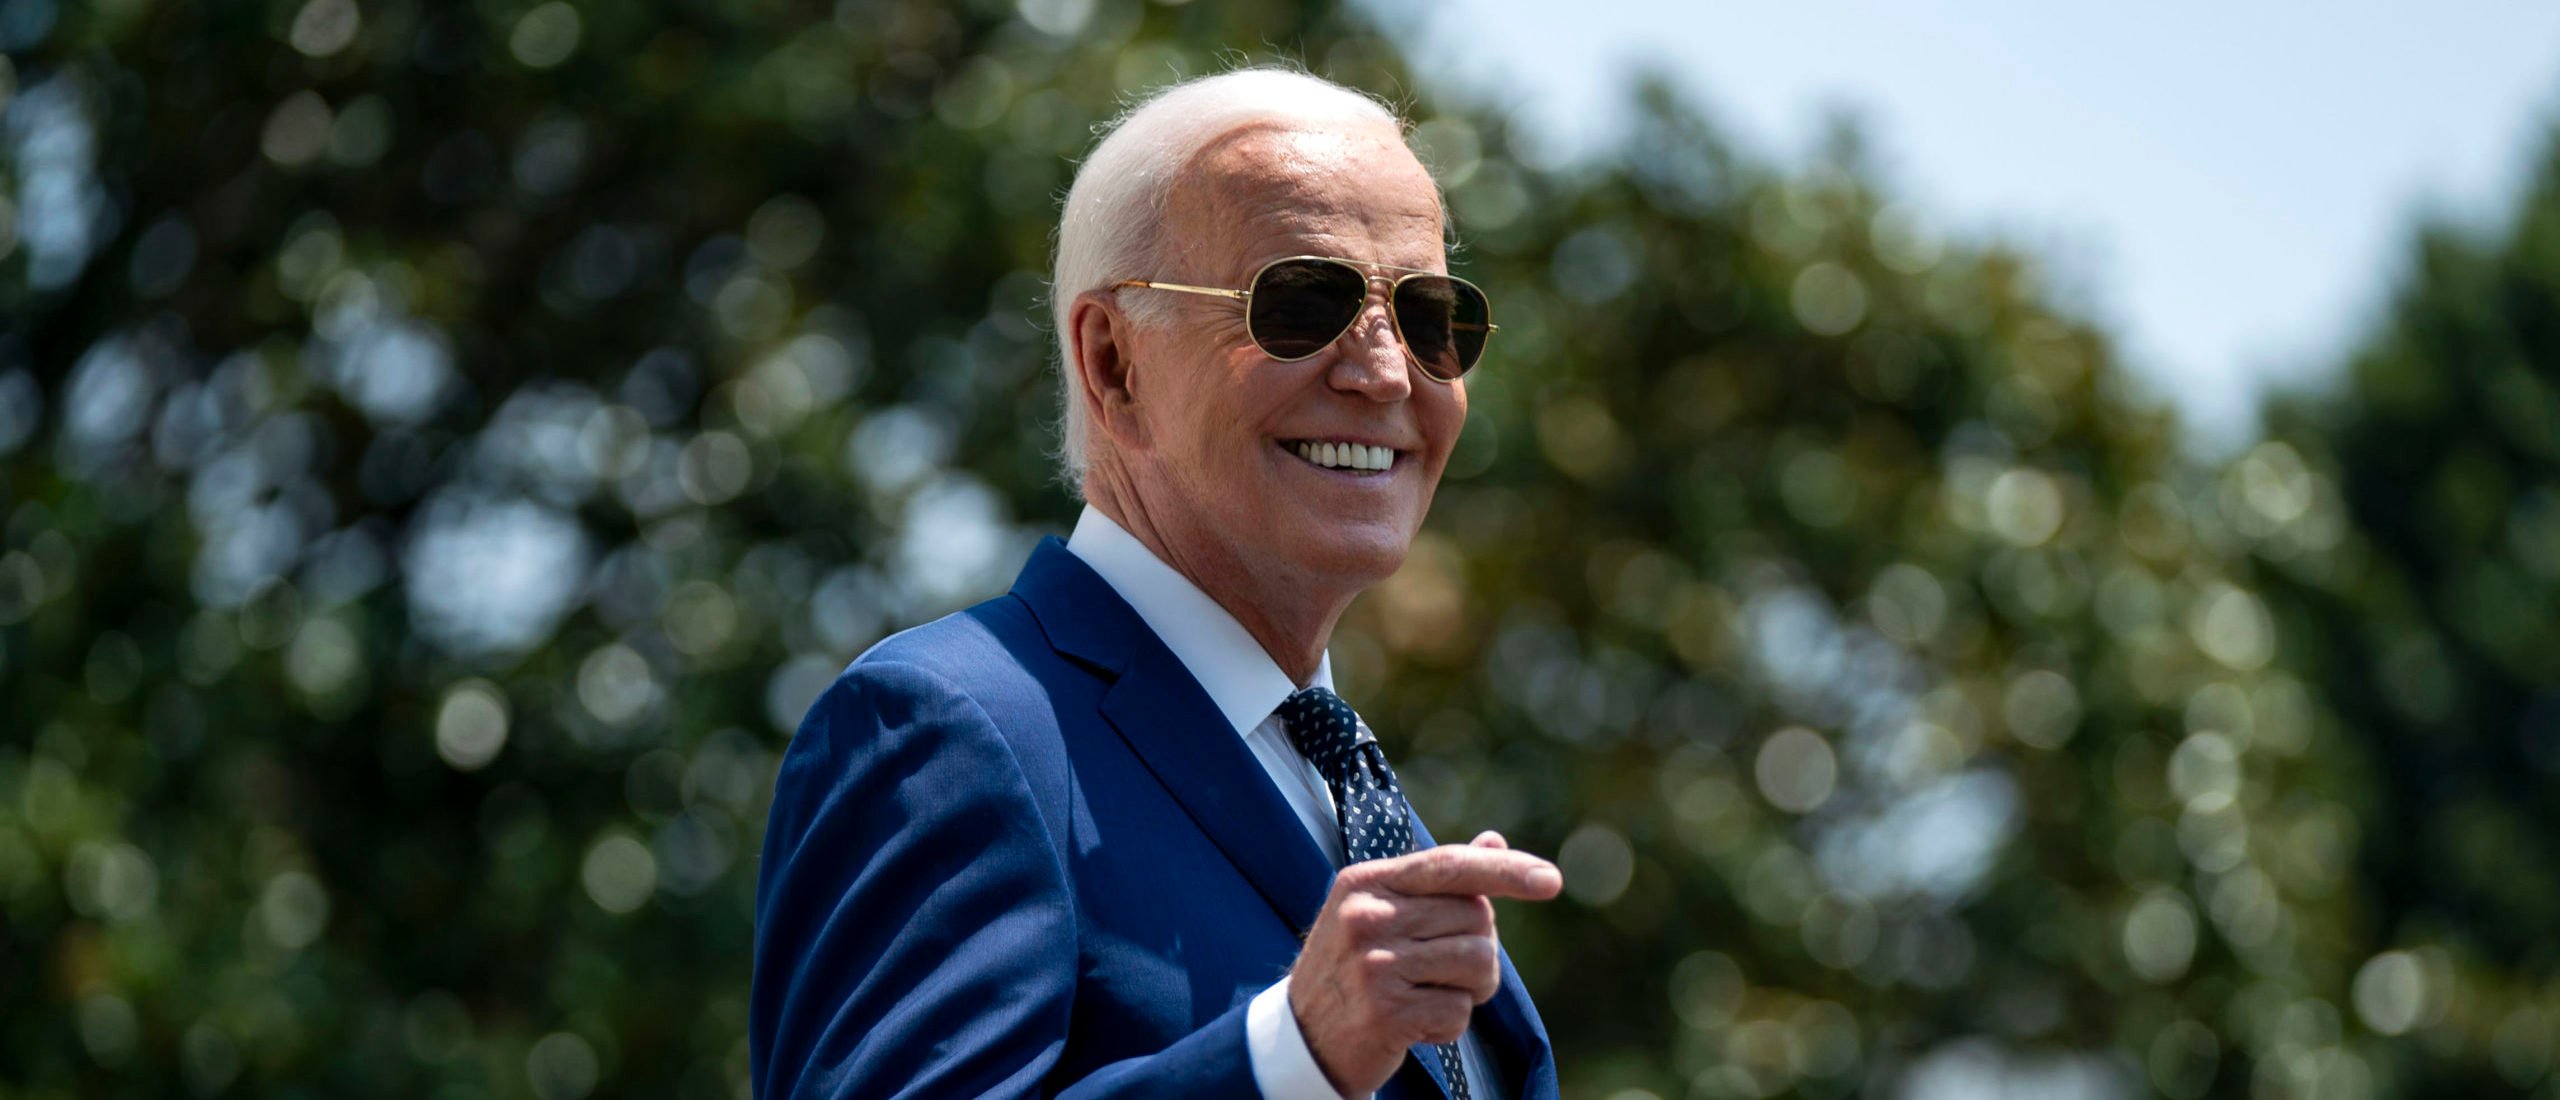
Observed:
{"x":1367,"y":804}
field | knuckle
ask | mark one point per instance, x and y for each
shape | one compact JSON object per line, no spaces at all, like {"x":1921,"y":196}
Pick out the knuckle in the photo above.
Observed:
{"x":1445,"y":1017}
{"x":1378,"y":964}
{"x":1422,"y":1020}
{"x":1367,"y":915}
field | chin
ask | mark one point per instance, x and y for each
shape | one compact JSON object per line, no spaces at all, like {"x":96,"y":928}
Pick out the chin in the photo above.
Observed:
{"x":1361,"y":555}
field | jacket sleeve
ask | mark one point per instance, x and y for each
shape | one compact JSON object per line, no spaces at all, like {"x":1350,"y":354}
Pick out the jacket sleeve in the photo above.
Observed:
{"x":915,"y":935}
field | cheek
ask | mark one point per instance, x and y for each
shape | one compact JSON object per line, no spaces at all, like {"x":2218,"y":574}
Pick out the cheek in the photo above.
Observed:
{"x":1446,"y":420}
{"x":1182,"y":378}
{"x":1221,"y":411}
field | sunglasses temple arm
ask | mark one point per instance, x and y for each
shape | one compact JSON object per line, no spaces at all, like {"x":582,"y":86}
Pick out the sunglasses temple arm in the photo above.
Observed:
{"x":1181,"y":288}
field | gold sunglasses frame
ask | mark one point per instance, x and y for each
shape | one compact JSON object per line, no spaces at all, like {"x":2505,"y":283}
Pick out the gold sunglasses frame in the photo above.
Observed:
{"x":1366,"y":279}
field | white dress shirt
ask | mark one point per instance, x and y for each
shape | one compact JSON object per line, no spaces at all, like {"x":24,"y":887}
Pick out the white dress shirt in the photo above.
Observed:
{"x":1248,"y":687}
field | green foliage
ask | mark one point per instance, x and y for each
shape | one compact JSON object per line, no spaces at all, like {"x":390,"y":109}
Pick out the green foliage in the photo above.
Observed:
{"x":2429,"y":615}
{"x":443,"y":448}
{"x":1901,"y":705}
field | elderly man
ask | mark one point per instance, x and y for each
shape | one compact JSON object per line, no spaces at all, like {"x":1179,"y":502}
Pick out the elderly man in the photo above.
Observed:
{"x":1112,"y":833}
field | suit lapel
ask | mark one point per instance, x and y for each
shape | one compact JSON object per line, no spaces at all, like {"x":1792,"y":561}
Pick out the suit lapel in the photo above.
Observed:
{"x":1508,"y":1013}
{"x":1169,"y":721}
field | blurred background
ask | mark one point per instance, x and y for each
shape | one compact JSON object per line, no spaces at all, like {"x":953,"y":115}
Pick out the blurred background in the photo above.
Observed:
{"x":444,"y":447}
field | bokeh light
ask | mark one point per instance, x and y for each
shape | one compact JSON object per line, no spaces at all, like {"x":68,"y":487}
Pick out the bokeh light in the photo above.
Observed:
{"x":444,"y":450}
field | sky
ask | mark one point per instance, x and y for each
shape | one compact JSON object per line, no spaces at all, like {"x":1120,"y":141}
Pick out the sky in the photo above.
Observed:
{"x":2229,"y":187}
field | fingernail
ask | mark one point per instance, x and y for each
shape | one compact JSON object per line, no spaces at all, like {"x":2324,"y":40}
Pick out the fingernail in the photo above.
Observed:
{"x":1546,"y":878}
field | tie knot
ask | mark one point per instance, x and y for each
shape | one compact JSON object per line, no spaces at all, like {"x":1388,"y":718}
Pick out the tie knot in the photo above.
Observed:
{"x":1324,"y":728}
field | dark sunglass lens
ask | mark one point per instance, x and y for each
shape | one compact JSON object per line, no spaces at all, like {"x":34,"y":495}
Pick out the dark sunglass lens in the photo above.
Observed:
{"x":1299,"y":306}
{"x":1444,"y":322}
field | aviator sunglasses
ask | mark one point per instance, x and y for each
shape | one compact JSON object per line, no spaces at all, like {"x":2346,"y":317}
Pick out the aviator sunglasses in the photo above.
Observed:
{"x":1298,"y":306}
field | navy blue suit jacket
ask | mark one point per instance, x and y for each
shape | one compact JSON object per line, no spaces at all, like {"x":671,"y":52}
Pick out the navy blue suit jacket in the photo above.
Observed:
{"x":1018,"y":852}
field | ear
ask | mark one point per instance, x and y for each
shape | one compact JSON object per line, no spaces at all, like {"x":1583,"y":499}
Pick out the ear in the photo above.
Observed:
{"x":1099,"y":337}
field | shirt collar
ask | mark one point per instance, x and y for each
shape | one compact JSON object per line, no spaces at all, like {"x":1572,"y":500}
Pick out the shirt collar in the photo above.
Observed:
{"x":1239,"y":675}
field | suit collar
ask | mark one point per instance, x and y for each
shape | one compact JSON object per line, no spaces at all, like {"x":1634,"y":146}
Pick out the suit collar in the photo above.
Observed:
{"x":1076,"y":610}
{"x":1238,"y":674}
{"x":1161,"y":712}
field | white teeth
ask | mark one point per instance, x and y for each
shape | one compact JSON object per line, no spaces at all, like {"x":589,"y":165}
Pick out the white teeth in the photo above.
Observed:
{"x":1354,"y":456}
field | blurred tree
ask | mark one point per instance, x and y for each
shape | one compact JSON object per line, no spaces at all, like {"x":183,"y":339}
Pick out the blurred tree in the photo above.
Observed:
{"x":2432,"y":619}
{"x":1899,"y":701}
{"x":443,"y":448}
{"x":446,"y":446}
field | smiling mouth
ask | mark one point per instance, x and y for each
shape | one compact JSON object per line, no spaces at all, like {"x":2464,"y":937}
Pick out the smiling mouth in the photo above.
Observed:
{"x":1350,"y":458}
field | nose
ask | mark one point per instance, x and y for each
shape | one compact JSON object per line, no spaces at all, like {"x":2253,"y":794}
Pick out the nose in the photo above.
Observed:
{"x":1372,"y":362}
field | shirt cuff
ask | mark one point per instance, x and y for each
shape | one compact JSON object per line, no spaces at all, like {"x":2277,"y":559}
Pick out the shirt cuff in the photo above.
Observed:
{"x":1283,"y":1067}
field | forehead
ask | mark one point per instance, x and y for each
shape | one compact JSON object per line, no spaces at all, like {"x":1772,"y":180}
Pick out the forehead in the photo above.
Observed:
{"x":1265,"y":192}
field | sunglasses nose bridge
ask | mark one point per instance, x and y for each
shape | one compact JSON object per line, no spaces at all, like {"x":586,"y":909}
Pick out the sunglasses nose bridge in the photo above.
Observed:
{"x":1378,"y":299}
{"x":1373,"y":355}
{"x":1376,"y":291}
{"x":1377,"y":305}
{"x":1386,"y":337}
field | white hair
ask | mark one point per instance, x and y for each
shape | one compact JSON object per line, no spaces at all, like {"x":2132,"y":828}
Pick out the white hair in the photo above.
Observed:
{"x":1113,"y":226}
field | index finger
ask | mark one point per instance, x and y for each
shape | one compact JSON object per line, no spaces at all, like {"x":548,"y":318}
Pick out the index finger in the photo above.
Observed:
{"x":1465,"y":869}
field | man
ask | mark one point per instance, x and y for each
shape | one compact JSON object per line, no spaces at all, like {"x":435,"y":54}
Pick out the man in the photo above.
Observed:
{"x":1112,"y":834}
